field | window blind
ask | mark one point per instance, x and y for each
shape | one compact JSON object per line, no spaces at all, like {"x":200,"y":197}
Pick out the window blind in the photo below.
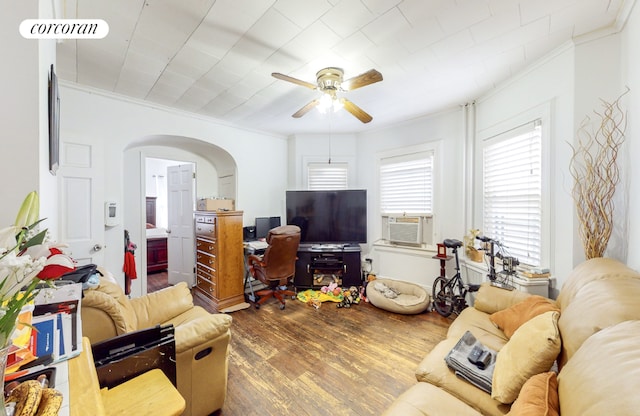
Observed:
{"x":512,"y":192}
{"x":406,"y":184}
{"x":326,"y":176}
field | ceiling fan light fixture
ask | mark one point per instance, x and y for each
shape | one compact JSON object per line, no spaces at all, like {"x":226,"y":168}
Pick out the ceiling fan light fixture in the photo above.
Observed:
{"x":326,"y":102}
{"x":329,"y":82}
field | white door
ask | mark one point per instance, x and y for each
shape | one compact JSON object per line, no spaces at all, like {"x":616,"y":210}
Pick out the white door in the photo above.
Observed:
{"x":80,"y":201}
{"x":180,"y":243}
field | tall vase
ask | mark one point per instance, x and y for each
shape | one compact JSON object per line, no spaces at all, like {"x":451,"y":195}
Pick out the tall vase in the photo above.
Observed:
{"x":4,"y":353}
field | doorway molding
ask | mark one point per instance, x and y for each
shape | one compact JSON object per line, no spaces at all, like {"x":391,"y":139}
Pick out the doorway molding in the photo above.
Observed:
{"x":179,"y":148}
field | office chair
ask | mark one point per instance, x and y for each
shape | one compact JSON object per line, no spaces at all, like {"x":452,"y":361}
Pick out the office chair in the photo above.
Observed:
{"x":277,"y":265}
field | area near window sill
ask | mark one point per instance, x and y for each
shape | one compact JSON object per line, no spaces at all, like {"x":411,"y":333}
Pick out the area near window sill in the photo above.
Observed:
{"x":423,"y":250}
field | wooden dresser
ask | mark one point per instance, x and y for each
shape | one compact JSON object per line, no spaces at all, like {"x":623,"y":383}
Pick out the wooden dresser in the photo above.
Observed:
{"x":219,"y":258}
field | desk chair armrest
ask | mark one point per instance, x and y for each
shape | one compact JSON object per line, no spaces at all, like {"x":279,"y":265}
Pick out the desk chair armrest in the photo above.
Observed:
{"x":254,"y":259}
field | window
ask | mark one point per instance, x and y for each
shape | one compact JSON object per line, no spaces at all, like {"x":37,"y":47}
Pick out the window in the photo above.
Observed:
{"x":406,"y":183}
{"x":512,"y":191}
{"x":406,"y":178}
{"x":327,"y":176}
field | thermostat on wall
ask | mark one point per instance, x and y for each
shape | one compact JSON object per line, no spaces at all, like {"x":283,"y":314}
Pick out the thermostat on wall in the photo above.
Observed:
{"x":111,"y":213}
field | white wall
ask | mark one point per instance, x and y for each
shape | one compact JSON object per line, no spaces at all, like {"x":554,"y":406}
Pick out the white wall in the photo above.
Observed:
{"x":630,"y":68}
{"x":163,"y":157}
{"x":549,"y":84}
{"x":119,"y":123}
{"x":598,"y":77}
{"x":446,"y":129}
{"x":321,"y":148}
{"x":24,"y":134}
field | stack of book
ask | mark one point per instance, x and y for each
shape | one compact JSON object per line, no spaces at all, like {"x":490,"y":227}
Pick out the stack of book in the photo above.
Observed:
{"x":529,"y":272}
{"x":55,"y":331}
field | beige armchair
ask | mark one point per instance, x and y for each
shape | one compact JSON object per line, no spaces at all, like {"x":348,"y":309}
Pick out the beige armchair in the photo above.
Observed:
{"x":202,"y":338}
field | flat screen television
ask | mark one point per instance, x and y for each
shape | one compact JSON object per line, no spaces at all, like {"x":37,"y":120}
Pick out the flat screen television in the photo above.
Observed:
{"x":329,"y":217}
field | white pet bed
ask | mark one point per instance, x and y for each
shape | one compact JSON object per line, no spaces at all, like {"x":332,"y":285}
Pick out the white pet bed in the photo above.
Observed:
{"x":398,"y":296}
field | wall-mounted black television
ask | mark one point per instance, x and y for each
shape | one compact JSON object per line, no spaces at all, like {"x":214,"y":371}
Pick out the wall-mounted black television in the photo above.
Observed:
{"x":329,"y":217}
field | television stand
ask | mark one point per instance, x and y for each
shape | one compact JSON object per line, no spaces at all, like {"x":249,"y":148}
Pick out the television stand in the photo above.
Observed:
{"x":321,"y":264}
{"x":327,"y":247}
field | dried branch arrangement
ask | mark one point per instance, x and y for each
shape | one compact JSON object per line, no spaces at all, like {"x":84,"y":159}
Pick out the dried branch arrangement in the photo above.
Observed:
{"x":595,"y":172}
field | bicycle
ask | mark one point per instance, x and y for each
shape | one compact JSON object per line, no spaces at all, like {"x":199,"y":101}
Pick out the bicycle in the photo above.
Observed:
{"x":502,"y":279}
{"x":449,"y":295}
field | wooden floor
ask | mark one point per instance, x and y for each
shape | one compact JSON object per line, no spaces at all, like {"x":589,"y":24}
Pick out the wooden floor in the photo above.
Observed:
{"x":326,"y":361}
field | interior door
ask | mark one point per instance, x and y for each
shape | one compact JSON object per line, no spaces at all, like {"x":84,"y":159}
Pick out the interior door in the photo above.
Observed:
{"x":80,"y":201}
{"x":180,"y":243}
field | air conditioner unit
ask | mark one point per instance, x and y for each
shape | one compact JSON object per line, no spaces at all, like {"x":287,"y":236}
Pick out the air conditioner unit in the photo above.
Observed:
{"x":405,"y":230}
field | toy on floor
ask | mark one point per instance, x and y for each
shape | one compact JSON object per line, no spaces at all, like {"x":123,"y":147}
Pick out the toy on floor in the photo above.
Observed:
{"x":349,"y":296}
{"x":363,"y":294}
{"x":388,"y":292}
{"x":332,"y":288}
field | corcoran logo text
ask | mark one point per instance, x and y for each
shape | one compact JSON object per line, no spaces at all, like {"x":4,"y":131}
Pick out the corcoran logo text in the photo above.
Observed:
{"x":64,"y":28}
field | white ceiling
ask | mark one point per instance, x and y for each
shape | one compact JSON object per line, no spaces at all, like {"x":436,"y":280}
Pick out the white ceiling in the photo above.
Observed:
{"x":215,"y":57}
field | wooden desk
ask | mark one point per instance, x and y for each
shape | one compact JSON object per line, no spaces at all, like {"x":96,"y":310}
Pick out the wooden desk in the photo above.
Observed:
{"x":148,"y":394}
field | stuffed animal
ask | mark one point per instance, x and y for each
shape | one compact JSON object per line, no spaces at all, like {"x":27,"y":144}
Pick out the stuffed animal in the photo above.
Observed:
{"x":315,"y":302}
{"x":349,"y":296}
{"x":387,"y":291}
{"x":331,"y":289}
{"x":363,"y":294}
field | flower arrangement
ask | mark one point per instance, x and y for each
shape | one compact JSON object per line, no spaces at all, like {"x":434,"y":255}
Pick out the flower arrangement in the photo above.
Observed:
{"x":27,"y":259}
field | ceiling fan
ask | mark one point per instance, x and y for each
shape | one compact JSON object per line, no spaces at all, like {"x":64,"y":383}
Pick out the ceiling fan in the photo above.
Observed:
{"x":330,"y":82}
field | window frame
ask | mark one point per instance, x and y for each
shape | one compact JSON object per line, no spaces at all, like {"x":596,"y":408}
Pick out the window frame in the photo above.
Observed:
{"x":349,"y":161}
{"x":431,"y":226}
{"x":488,"y":135}
{"x":325,"y":165}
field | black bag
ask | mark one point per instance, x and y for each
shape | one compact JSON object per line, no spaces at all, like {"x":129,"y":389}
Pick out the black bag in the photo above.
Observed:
{"x":81,"y":274}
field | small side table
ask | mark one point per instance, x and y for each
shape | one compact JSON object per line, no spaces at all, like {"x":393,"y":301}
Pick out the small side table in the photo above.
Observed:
{"x":443,"y":264}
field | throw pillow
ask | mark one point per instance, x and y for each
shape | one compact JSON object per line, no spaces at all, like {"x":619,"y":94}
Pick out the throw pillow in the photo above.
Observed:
{"x":531,"y":350}
{"x":510,"y":319}
{"x":538,"y":397}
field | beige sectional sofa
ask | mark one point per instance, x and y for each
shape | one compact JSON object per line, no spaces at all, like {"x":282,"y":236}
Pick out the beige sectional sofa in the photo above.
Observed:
{"x":597,"y":362}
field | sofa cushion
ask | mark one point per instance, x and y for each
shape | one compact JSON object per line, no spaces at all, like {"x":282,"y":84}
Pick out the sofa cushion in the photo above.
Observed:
{"x":471,"y":319}
{"x":158,"y":307}
{"x":600,"y":268}
{"x":510,"y":319}
{"x":197,"y":326}
{"x":108,"y":296}
{"x":490,"y":299}
{"x":538,"y":397}
{"x":434,"y":370}
{"x":424,"y":399}
{"x":603,"y":376}
{"x":599,"y":304}
{"x":531,"y":350}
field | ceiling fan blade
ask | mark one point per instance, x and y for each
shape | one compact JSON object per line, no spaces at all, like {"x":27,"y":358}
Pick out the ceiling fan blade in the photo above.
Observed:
{"x":294,"y":80}
{"x":370,"y":77}
{"x":358,"y":112}
{"x":304,"y":110}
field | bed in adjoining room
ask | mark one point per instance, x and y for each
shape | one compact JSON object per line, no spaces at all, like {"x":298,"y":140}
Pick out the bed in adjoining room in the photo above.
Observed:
{"x":156,"y":249}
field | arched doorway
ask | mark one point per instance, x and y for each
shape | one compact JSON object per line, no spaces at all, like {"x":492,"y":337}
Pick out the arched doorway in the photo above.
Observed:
{"x":215,"y":175}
